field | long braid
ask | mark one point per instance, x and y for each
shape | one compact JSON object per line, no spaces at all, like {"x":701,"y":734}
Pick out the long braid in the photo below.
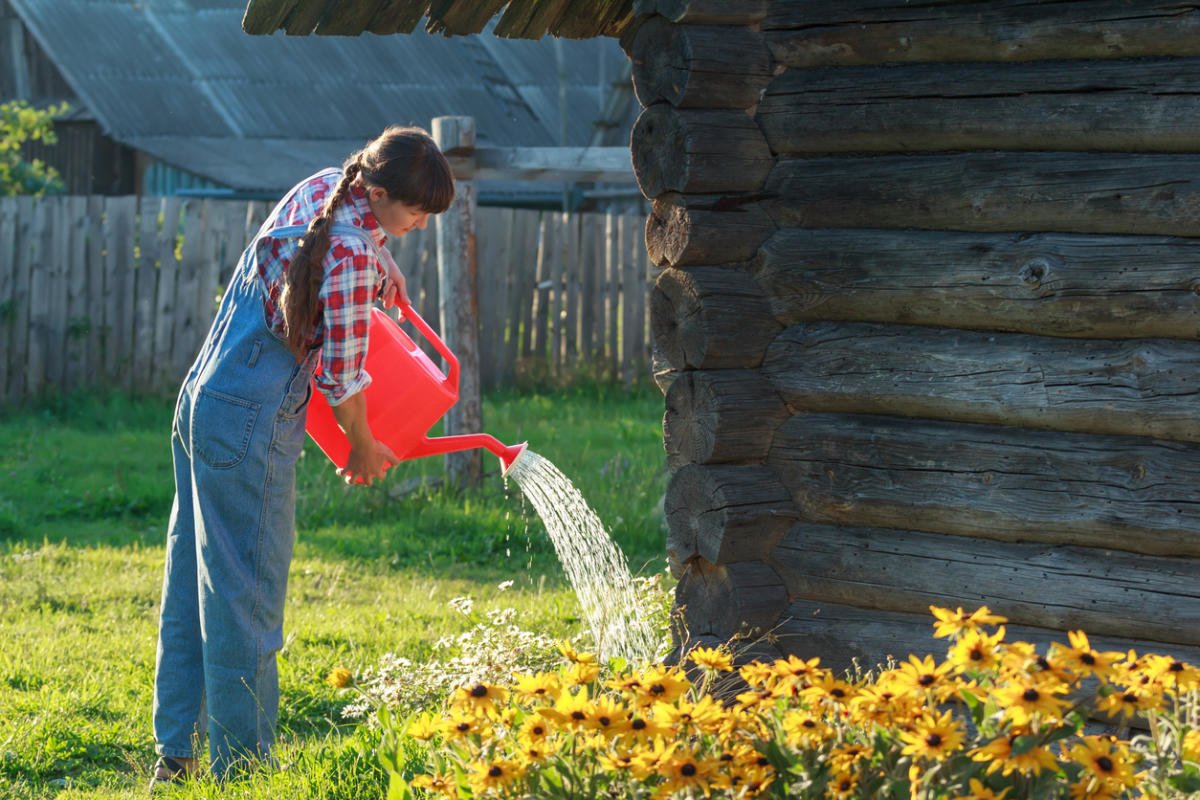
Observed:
{"x":302,"y":283}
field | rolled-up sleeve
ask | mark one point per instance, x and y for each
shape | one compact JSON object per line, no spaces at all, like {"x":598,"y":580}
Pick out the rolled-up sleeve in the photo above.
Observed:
{"x":347,"y":295}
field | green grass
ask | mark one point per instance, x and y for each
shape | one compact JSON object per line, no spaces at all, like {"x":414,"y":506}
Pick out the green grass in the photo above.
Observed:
{"x":85,"y":493}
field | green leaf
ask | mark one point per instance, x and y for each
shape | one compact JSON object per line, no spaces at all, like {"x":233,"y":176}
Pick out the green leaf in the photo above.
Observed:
{"x":398,"y":788}
{"x":1023,"y":744}
{"x":1188,"y":782}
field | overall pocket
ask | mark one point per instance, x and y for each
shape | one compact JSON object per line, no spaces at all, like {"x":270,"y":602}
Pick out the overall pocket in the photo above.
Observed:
{"x":222,"y":426}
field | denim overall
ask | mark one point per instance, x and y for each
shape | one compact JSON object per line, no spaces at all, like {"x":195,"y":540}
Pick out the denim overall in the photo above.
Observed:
{"x":237,"y":433}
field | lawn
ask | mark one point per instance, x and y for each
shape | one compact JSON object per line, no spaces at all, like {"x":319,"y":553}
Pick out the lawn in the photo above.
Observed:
{"x":85,"y":497}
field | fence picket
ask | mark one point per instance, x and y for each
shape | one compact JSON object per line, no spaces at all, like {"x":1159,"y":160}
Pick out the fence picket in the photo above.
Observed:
{"x":120,"y":218}
{"x":93,"y":352}
{"x":8,"y":255}
{"x":164,"y":298}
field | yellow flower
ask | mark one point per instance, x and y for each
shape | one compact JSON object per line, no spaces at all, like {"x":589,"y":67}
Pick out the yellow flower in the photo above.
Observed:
{"x":460,"y":726}
{"x":755,"y":698}
{"x":570,"y":710}
{"x":921,"y":676}
{"x":495,"y":774}
{"x":1171,"y":673}
{"x":339,"y":677}
{"x":607,"y":716}
{"x":1002,"y":755}
{"x":976,"y":651}
{"x":1191,"y":746}
{"x":1131,"y":700}
{"x":951,"y":623}
{"x":535,"y":730}
{"x":846,"y":756}
{"x":1022,"y":658}
{"x":796,"y":667}
{"x":878,"y":704}
{"x":842,"y":784}
{"x":683,"y":770}
{"x":977,"y":791}
{"x":645,"y":727}
{"x":479,"y":698}
{"x":934,"y":737}
{"x":713,"y":658}
{"x":661,"y":684}
{"x":1105,"y":758}
{"x":423,"y":727}
{"x":1090,"y":788}
{"x":826,"y":687}
{"x":756,"y":673}
{"x":617,"y":761}
{"x":646,"y":760}
{"x":804,"y":730}
{"x":1022,"y":698}
{"x":542,"y":686}
{"x":1081,"y":659}
{"x":573,"y":655}
{"x":442,"y":784}
{"x":580,"y":673}
{"x":705,"y":714}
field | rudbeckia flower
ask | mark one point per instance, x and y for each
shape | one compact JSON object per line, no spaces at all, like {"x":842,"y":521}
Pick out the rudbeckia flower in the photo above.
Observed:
{"x":977,"y":651}
{"x":1131,"y":700}
{"x":607,"y":716}
{"x":1105,"y":758}
{"x":1081,"y":659}
{"x":950,"y":623}
{"x":923,"y":676}
{"x":713,"y":658}
{"x":441,"y":784}
{"x":1022,"y":698}
{"x":339,"y":677}
{"x":573,"y":655}
{"x":660,"y":684}
{"x":977,"y":791}
{"x":570,"y":710}
{"x":479,"y":698}
{"x":1002,"y":755}
{"x":933,"y":738}
{"x":683,"y":770}
{"x":495,"y":774}
{"x":542,"y":686}
{"x":1171,"y":673}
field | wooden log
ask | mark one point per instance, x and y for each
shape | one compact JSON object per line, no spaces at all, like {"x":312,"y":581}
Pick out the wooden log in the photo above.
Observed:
{"x":992,"y":482}
{"x":839,"y":32}
{"x":698,"y":66}
{"x":698,"y":152}
{"x":1139,"y":106}
{"x":708,"y":12}
{"x":1064,"y":192}
{"x":727,"y":600}
{"x":684,"y":230}
{"x":1132,"y":388}
{"x":1059,"y":284}
{"x":720,"y":416}
{"x":1064,"y":588}
{"x":724,"y":514}
{"x":710,"y":318}
{"x":841,"y":634}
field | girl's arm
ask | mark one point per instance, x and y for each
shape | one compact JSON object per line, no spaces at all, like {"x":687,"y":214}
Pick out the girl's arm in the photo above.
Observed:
{"x":369,"y":458}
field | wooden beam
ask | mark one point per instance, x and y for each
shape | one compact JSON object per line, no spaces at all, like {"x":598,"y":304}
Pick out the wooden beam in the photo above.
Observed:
{"x":705,"y":12}
{"x":698,"y":152}
{"x":698,"y":66}
{"x":349,"y":19}
{"x":992,"y":482}
{"x":725,"y":513}
{"x":398,"y":16}
{"x":264,"y":17}
{"x":840,"y":634}
{"x":529,"y":19}
{"x":556,"y":164}
{"x":720,"y":416}
{"x":1139,"y":106}
{"x":710,"y":318}
{"x":838,"y":32}
{"x":1103,"y":287}
{"x":1026,"y":192}
{"x":685,"y":230}
{"x":1104,"y":592}
{"x":1131,"y":388}
{"x":305,"y":16}
{"x":454,"y":17}
{"x":724,"y":600}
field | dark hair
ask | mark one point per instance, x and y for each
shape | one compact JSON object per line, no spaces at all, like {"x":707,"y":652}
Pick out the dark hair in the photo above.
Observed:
{"x":403,"y":161}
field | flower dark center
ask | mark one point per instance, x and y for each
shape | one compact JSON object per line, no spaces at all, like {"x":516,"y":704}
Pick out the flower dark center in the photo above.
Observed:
{"x":479,"y":690}
{"x":845,"y":785}
{"x":495,"y":772}
{"x":726,"y":756}
{"x":761,"y":761}
{"x":1176,"y":666}
{"x":578,"y":715}
{"x":926,"y":680}
{"x":537,"y":730}
{"x":605,"y":721}
{"x":1104,"y":763}
{"x":638,"y":724}
{"x":976,"y":654}
{"x":463,"y":727}
{"x":934,"y":740}
{"x":688,"y":769}
{"x":1129,"y":697}
{"x":1088,"y":659}
{"x":837,"y":692}
{"x":657,"y":688}
{"x":1031,"y":696}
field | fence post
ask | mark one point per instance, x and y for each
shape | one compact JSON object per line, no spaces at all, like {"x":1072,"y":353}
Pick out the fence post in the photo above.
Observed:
{"x":458,"y":298}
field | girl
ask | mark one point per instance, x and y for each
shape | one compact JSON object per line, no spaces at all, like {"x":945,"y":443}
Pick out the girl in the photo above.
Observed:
{"x":301,"y":294}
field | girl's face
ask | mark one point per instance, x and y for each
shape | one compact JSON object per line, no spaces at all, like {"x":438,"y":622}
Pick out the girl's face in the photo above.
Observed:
{"x":395,"y":217}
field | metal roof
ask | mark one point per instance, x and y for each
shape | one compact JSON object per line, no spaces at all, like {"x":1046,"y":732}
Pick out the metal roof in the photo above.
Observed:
{"x":179,"y":79}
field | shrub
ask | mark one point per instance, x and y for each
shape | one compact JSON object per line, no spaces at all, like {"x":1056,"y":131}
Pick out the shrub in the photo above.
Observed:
{"x":993,"y":719}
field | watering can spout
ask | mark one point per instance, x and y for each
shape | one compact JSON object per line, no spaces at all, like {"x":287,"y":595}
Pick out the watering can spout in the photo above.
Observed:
{"x":440,"y":445}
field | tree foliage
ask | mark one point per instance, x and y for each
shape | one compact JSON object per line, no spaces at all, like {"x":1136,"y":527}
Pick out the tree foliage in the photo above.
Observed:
{"x":21,"y":123}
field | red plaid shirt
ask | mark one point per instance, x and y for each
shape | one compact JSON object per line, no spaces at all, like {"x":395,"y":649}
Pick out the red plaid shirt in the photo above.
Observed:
{"x":353,"y":279}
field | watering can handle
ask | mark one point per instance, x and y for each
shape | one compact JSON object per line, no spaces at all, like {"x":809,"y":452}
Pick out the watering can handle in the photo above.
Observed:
{"x":421,"y":325}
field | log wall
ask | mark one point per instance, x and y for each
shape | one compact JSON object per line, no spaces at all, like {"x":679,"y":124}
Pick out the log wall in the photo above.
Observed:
{"x":928,"y":317}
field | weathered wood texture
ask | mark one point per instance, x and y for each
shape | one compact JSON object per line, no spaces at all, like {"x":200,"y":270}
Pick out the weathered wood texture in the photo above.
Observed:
{"x":720,"y":416}
{"x":840,"y":634}
{"x":143,"y":294}
{"x":1055,"y":284}
{"x":1075,"y":192}
{"x":706,"y":12}
{"x":726,"y":599}
{"x":1105,"y":592}
{"x":1139,"y":106}
{"x":806,"y":34}
{"x":710,"y":318}
{"x":698,"y":66}
{"x":992,"y":482}
{"x":698,"y":152}
{"x":1134,"y":388}
{"x":686,"y":230}
{"x":725,"y":514}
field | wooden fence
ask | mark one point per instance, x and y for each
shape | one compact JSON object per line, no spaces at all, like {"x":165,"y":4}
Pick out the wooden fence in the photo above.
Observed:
{"x":119,"y":292}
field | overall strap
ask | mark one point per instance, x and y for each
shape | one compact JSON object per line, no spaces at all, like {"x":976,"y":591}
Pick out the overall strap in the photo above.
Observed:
{"x":340,"y":229}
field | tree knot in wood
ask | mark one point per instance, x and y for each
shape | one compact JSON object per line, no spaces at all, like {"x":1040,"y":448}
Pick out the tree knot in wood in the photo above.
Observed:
{"x":1035,"y":271}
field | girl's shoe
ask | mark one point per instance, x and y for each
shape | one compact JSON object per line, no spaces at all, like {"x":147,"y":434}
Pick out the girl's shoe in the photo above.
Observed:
{"x":167,"y":771}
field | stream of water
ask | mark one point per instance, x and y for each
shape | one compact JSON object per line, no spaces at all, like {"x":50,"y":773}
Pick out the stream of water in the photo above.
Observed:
{"x":594,"y":564}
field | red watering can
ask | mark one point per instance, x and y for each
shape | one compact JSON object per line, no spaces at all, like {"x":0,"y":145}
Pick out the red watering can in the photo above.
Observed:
{"x":407,"y":396}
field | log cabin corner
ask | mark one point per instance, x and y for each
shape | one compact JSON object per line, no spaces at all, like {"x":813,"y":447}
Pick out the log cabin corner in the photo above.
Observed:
{"x":927,"y":325}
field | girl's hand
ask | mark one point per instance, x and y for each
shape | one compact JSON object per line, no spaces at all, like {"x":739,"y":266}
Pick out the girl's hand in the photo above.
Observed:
{"x":394,"y":289}
{"x":368,"y":464}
